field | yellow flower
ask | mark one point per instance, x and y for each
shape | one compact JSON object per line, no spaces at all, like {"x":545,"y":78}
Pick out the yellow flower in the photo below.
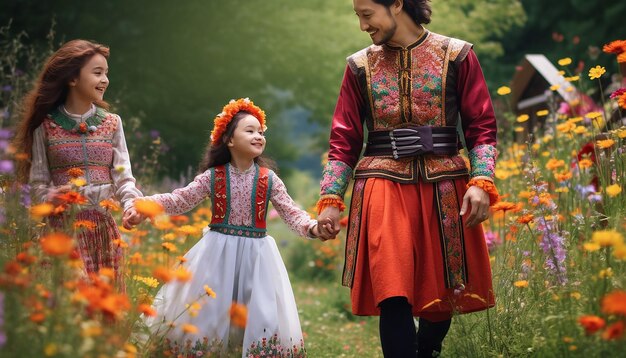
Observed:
{"x":606,"y":273}
{"x":521,"y":284}
{"x":189,"y":328}
{"x":591,"y":246}
{"x":169,"y":247}
{"x":575,"y":295}
{"x":522,"y":118}
{"x":542,"y":113}
{"x":593,"y":115}
{"x":555,"y":87}
{"x":561,"y":72}
{"x":41,"y":210}
{"x":572,"y":79}
{"x":580,"y":130}
{"x":78,"y":182}
{"x":565,"y":61}
{"x":209,"y":291}
{"x":50,"y":350}
{"x":503,"y":91}
{"x":605,"y":143}
{"x":619,"y":252}
{"x":519,"y":129}
{"x":613,"y":190}
{"x":585,"y":163}
{"x":596,"y":72}
{"x":607,"y":238}
{"x":621,"y":132}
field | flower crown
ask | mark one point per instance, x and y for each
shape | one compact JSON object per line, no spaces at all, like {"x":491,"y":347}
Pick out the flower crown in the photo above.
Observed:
{"x":228,"y":112}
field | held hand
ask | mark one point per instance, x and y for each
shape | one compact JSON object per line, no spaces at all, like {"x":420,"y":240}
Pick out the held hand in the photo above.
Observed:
{"x":325,"y":230}
{"x":131,"y":218}
{"x":478,"y":199}
{"x":329,"y":223}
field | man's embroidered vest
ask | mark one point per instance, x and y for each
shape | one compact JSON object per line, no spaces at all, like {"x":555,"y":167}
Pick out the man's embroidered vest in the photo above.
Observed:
{"x":90,"y":149}
{"x":220,"y":198}
{"x":411,"y":86}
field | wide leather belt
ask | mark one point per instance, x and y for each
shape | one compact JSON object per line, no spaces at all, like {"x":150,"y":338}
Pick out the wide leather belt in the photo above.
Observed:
{"x":412,"y":141}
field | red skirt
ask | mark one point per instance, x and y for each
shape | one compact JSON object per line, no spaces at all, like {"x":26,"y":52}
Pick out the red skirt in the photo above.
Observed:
{"x":400,"y":253}
{"x":98,"y":248}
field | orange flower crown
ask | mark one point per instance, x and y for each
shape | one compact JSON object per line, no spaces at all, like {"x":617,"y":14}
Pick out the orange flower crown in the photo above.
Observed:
{"x":227,"y":114}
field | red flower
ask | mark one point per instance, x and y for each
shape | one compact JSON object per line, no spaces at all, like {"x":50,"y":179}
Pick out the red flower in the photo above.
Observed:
{"x":591,"y":323}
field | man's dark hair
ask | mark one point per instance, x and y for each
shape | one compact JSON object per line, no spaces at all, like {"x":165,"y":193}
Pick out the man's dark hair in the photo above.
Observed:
{"x":418,"y":10}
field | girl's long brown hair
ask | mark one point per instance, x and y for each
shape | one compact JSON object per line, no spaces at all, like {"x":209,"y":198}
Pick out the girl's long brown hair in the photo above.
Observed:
{"x":50,"y":90}
{"x":219,"y":155}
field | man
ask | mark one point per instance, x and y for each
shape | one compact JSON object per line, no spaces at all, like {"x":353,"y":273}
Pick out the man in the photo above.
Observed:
{"x":414,"y":246}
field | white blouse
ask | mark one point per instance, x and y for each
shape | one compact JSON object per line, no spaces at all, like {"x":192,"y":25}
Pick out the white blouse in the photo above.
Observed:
{"x":123,"y":187}
{"x":184,"y":199}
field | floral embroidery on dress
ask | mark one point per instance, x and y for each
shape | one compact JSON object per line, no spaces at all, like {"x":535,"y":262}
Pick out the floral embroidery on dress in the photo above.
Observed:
{"x":335,"y":178}
{"x":483,"y":160}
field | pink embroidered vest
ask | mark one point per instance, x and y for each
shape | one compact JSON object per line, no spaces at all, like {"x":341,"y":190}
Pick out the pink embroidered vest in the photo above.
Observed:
{"x":88,"y":146}
{"x":412,"y":86}
{"x":220,"y":198}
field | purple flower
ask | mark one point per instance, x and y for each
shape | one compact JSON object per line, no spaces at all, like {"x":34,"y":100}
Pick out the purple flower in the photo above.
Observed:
{"x":553,"y":246}
{"x":4,"y":144}
{"x":7,"y":88}
{"x":6,"y":134}
{"x":585,"y":190}
{"x":492,"y":239}
{"x":6,"y":166}
{"x":25,"y":198}
{"x":154,"y":134}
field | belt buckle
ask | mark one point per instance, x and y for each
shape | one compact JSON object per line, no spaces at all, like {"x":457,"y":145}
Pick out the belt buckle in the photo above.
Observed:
{"x":394,"y":148}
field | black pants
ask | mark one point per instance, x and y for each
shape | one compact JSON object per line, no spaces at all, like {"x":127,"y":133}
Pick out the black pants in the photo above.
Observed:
{"x":398,"y":336}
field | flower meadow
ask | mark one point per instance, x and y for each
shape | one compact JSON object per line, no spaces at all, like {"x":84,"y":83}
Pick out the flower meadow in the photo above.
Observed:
{"x":556,"y":241}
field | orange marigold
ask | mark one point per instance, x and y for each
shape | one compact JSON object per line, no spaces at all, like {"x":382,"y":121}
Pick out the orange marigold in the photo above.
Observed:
{"x":75,"y":172}
{"x":228,"y":112}
{"x":525,"y":219}
{"x":148,"y":208}
{"x":238,"y":314}
{"x":72,"y":197}
{"x":614,"y":303}
{"x":57,"y":244}
{"x":110,"y":204}
{"x":591,"y":323}
{"x":84,"y":224}
{"x":504,"y":206}
{"x":617,"y":46}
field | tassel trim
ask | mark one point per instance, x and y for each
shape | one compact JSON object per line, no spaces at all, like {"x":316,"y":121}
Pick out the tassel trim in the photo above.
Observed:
{"x":330,"y":200}
{"x":488,"y":187}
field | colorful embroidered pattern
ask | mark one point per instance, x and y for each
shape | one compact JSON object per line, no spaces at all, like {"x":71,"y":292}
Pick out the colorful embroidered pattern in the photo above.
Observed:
{"x":335,"y":178}
{"x":384,"y":87}
{"x":219,"y":185}
{"x":354,"y":228}
{"x":483,"y":160}
{"x":438,"y":167}
{"x":92,"y":151}
{"x":221,"y":197}
{"x":451,"y":231}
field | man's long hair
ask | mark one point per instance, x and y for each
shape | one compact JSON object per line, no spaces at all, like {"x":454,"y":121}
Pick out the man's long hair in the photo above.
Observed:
{"x":418,"y":10}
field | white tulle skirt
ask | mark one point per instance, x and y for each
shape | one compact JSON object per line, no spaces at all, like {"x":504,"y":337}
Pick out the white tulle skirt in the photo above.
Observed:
{"x":248,"y":271}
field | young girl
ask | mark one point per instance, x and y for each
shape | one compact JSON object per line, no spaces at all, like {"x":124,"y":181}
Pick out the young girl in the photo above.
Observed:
{"x":236,"y":258}
{"x":68,"y":132}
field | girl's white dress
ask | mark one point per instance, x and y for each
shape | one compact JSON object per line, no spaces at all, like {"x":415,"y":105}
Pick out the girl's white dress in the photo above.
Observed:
{"x":239,"y":262}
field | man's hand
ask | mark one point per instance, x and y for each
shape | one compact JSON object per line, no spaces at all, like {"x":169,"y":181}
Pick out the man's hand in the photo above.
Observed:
{"x":478,"y":199}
